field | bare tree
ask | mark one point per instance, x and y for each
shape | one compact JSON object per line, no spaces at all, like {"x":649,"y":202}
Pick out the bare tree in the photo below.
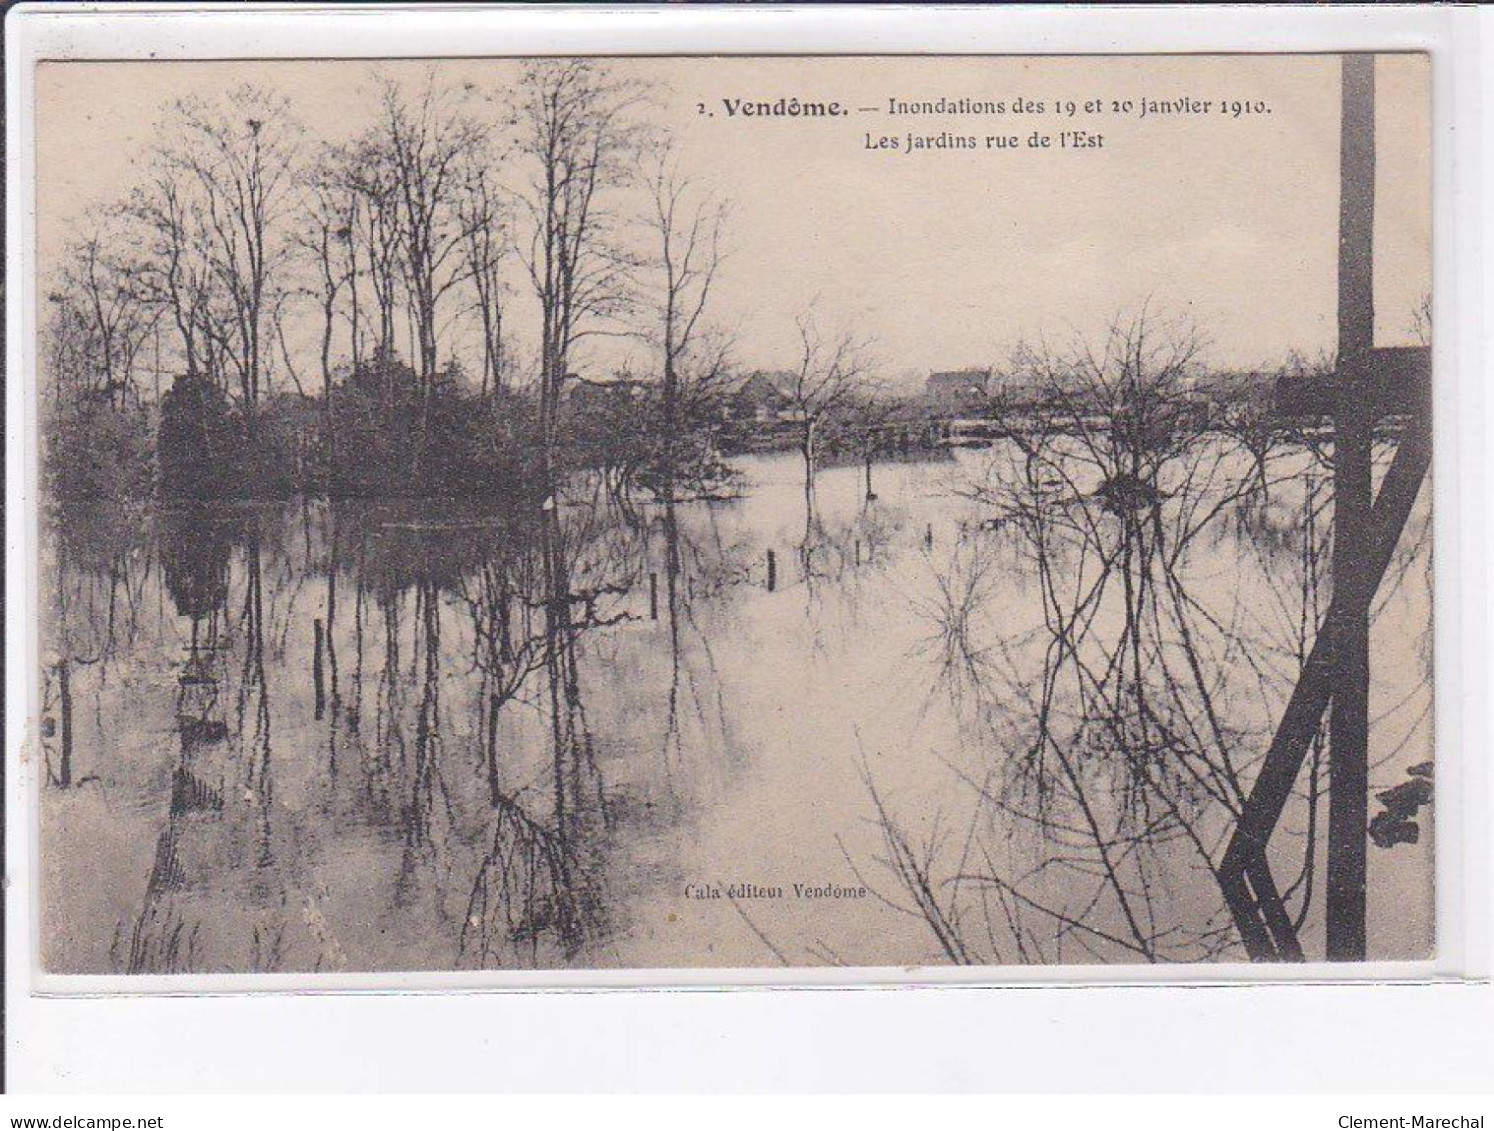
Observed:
{"x":828,"y":375}
{"x":223,"y":190}
{"x":376,"y":227}
{"x":102,"y":322}
{"x":326,"y":238}
{"x":576,"y":130}
{"x":425,"y":143}
{"x":686,"y":230}
{"x":486,"y":223}
{"x":866,"y":420}
{"x":172,"y":268}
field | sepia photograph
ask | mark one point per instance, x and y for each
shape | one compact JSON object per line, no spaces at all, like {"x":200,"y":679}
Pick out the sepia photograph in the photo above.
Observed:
{"x":754,"y":512}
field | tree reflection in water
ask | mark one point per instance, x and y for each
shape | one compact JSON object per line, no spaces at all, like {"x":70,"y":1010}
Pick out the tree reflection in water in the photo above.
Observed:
{"x":516,"y":870}
{"x":429,"y":736}
{"x":1123,"y":728}
{"x":194,"y":547}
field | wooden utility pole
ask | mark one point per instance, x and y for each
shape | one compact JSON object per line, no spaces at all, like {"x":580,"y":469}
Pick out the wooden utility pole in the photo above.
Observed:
{"x":1367,"y":384}
{"x":1353,"y":439}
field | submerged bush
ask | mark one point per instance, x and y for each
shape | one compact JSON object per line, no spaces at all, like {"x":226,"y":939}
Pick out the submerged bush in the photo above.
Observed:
{"x":447,"y":442}
{"x":196,"y":442}
{"x":98,"y":454}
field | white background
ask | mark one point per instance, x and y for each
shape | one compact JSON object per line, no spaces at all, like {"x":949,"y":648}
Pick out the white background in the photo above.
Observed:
{"x":1433,"y":1037}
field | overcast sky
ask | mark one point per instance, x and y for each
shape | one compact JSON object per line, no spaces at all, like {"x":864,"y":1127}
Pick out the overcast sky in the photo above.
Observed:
{"x":943,"y":259}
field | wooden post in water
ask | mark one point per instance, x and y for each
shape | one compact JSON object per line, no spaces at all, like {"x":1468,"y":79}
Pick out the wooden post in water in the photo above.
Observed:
{"x":316,"y":667}
{"x":1354,"y":417}
{"x":653,"y":596}
{"x":772,"y":572}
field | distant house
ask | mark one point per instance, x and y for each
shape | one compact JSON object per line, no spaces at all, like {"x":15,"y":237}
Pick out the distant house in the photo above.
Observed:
{"x":962,"y":390}
{"x":1015,"y":388}
{"x":763,"y":396}
{"x":602,"y":396}
{"x":1232,"y":386}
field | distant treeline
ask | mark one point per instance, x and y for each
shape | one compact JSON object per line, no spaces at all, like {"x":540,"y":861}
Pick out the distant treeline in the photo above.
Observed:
{"x":379,"y":434}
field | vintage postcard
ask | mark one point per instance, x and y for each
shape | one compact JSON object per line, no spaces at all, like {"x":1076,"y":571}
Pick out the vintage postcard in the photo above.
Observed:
{"x":660,"y":513}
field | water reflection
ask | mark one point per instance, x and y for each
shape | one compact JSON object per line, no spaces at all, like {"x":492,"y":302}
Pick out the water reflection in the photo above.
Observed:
{"x":1178,"y":589}
{"x":437,"y":736}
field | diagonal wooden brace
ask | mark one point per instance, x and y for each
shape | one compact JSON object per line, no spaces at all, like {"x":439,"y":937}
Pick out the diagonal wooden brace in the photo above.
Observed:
{"x":1244,"y":874}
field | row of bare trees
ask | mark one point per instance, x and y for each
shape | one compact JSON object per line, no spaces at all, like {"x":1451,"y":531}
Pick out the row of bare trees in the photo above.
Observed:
{"x":250,"y":246}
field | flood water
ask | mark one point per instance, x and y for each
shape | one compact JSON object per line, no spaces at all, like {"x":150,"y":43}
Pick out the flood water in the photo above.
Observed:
{"x":352,"y":737}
